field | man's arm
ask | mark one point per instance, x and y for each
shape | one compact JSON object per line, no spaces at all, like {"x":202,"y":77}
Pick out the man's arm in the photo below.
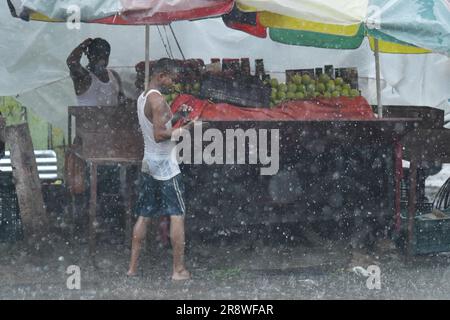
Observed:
{"x":80,"y":76}
{"x":156,"y":111}
{"x":122,"y":98}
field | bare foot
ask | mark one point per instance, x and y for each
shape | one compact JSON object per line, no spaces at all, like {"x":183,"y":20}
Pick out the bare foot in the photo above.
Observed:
{"x":132,"y":274}
{"x":182,"y":275}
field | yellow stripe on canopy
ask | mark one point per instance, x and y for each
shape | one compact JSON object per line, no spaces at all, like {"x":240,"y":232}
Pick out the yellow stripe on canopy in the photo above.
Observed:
{"x":36,"y":16}
{"x":391,"y":47}
{"x":246,"y":8}
{"x":274,"y":20}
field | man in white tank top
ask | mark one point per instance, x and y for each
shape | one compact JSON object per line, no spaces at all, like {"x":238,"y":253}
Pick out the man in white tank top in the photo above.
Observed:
{"x":160,"y":186}
{"x":95,"y":84}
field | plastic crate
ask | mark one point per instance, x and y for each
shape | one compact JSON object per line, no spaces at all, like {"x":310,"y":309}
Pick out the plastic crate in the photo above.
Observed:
{"x":237,"y":92}
{"x":430,"y":235}
{"x":10,"y":223}
{"x":420,"y":189}
{"x":425,"y":207}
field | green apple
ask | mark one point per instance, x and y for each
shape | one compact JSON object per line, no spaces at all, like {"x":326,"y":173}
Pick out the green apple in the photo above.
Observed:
{"x":297,"y":79}
{"x":306,"y":79}
{"x":310,"y":95}
{"x":336,"y":94}
{"x":354,"y":93}
{"x":292,"y":87}
{"x":330,"y":86}
{"x":281,"y":95}
{"x":301,"y":88}
{"x":311,"y":87}
{"x":274,"y":95}
{"x":299,"y":95}
{"x":290,"y":95}
{"x":324,"y":78}
{"x":321,"y":87}
{"x":274,"y":83}
{"x":282,"y":87}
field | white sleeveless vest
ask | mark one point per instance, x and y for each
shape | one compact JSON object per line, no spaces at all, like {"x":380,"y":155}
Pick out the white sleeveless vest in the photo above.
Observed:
{"x":159,"y":157}
{"x":101,"y":93}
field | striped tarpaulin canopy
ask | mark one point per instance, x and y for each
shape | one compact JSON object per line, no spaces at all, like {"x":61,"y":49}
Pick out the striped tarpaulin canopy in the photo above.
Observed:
{"x":401,"y":26}
{"x":123,"y":12}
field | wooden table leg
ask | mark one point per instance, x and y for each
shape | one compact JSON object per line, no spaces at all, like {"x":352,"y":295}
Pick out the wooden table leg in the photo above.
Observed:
{"x":92,"y":209}
{"x":126,"y":196}
{"x":73,"y":216}
{"x":412,"y":205}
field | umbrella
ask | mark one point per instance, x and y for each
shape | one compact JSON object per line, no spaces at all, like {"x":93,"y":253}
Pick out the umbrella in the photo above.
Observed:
{"x":119,"y":12}
{"x":392,"y":26}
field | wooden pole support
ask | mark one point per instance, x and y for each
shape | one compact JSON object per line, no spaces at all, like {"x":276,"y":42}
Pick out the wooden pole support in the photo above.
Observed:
{"x":28,"y":186}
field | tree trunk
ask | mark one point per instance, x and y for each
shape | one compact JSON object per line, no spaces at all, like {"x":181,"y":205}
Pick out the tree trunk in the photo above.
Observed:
{"x":33,"y":213}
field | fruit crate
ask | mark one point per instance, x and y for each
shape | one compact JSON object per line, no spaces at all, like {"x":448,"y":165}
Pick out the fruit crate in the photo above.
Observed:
{"x":431,"y":234}
{"x":10,"y":223}
{"x":238,"y":92}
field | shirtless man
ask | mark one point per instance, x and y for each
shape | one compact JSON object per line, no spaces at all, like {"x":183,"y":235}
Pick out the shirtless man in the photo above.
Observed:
{"x":160,"y":186}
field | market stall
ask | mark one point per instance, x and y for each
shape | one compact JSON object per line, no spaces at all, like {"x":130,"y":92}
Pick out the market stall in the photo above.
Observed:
{"x":328,"y":147}
{"x":317,"y":110}
{"x":329,"y":143}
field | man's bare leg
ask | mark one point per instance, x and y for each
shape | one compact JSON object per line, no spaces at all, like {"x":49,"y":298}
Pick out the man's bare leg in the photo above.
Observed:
{"x":178,"y":241}
{"x":163,"y":229}
{"x":139,"y":233}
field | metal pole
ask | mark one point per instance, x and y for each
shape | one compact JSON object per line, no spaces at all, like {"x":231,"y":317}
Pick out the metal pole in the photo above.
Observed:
{"x":176,"y":41}
{"x":147,"y":55}
{"x":49,"y":136}
{"x":378,"y":77}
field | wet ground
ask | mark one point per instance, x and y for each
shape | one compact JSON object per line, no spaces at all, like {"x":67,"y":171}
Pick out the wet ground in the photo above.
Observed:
{"x":225,"y":267}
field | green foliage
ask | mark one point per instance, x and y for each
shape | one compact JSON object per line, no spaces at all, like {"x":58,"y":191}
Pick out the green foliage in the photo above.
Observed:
{"x":11,"y":110}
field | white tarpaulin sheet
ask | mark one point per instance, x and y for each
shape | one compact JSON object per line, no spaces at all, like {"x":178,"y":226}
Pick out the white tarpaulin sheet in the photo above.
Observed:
{"x":56,"y":9}
{"x":97,"y":9}
{"x":33,"y":61}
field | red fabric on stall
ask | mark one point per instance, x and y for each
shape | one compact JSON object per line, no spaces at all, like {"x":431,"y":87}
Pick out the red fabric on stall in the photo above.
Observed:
{"x":318,"y":109}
